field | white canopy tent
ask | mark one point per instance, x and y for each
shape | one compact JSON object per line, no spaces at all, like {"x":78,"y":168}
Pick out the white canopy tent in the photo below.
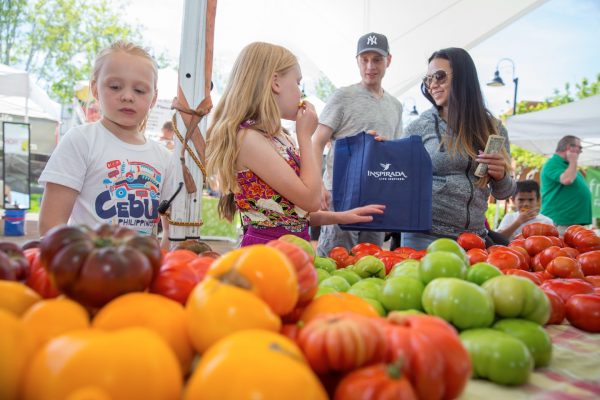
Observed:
{"x":326,"y":32}
{"x":20,"y":95}
{"x":540,"y":131}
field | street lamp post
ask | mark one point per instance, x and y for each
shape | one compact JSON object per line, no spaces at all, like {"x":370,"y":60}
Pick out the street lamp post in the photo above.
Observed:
{"x":497,"y":81}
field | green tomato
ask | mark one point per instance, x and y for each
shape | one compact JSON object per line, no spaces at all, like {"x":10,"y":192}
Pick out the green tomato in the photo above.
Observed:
{"x":516,"y":297}
{"x":452,"y":246}
{"x":366,"y":289}
{"x":325,"y":263}
{"x":322,"y":274}
{"x":302,"y":243}
{"x":405,"y":268}
{"x":464,"y":304}
{"x":481,"y":272}
{"x":369,"y":266}
{"x":441,"y":264}
{"x":377,"y":281}
{"x":534,"y":336}
{"x":350,"y":276}
{"x":376,"y":305}
{"x":338,"y":283}
{"x":402,"y":293}
{"x":324,"y":290}
{"x":497,"y":356}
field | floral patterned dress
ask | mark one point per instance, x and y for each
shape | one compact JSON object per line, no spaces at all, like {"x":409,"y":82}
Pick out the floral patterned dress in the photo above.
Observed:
{"x":263,"y":208}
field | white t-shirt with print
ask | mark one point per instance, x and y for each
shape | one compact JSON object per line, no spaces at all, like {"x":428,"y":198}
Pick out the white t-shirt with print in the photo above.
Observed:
{"x":512,"y":217}
{"x":118,"y":183}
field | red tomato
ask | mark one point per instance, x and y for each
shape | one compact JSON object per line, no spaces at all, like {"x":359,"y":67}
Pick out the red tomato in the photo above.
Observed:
{"x":550,"y":254}
{"x":405,"y":251}
{"x":417,"y":254}
{"x":525,"y":274}
{"x":477,"y":255}
{"x":566,"y":288}
{"x":539,"y":229}
{"x":517,"y":242}
{"x":590,"y":262}
{"x":557,"y":308}
{"x":536,"y":264}
{"x":176,"y":279}
{"x":583,"y":312}
{"x":340,"y":256}
{"x":573,"y":253}
{"x":468,"y":241}
{"x":366,"y":249}
{"x":38,"y":278}
{"x":586,"y":240}
{"x":556,"y":241}
{"x":564,"y":267}
{"x":543,"y":275}
{"x":504,"y":259}
{"x":378,"y":381}
{"x":535,"y":244}
{"x":390,"y":261}
{"x":524,"y":257}
{"x":570,"y":233}
{"x":593,"y":279}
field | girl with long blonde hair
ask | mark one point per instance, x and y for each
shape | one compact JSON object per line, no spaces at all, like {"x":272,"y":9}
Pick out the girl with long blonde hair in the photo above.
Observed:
{"x":261,"y":173}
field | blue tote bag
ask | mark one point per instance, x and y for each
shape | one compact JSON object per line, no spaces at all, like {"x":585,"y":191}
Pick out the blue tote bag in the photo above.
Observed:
{"x":396,"y":173}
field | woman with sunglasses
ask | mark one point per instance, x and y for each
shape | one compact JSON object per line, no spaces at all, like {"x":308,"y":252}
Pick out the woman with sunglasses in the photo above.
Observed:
{"x":454,"y":132}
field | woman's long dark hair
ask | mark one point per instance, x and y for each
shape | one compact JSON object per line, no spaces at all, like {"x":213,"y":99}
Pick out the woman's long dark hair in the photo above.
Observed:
{"x":470,"y":123}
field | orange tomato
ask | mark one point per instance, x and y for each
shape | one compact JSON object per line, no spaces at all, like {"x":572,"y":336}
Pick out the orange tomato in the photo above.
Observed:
{"x":16,"y":297}
{"x":53,"y":317}
{"x":265,"y":271}
{"x":17,"y":346}
{"x":332,"y":303}
{"x":215,"y":310}
{"x":159,"y":314}
{"x":128,"y":364}
{"x":254,"y":364}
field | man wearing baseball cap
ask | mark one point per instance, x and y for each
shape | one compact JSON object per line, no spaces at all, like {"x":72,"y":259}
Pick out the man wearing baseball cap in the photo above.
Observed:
{"x":352,"y":109}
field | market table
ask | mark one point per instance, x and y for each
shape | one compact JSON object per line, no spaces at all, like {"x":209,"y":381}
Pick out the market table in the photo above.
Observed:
{"x":574,"y":372}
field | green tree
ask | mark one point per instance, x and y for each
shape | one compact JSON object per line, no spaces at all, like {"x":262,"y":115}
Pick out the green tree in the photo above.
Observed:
{"x":525,"y":159}
{"x":57,"y":40}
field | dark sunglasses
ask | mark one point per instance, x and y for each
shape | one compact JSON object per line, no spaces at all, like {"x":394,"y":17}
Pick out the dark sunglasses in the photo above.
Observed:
{"x":440,"y":77}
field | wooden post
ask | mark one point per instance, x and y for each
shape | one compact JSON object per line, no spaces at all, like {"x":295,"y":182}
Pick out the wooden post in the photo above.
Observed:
{"x":193,"y":102}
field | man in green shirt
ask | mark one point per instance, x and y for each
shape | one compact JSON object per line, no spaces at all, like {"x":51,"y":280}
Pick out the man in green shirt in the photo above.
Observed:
{"x":566,"y":197}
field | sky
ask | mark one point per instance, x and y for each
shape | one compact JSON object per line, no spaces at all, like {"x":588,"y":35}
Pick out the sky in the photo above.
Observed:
{"x":556,"y":43}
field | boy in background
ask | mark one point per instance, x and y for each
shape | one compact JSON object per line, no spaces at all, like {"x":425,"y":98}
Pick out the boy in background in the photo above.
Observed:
{"x":526,"y":204}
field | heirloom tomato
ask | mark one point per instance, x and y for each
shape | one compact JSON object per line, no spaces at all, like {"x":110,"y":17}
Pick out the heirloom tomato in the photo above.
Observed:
{"x":468,"y":241}
{"x":566,"y":288}
{"x":583,"y":312}
{"x":95,"y":266}
{"x":533,"y":335}
{"x":590,"y":262}
{"x":376,"y":382}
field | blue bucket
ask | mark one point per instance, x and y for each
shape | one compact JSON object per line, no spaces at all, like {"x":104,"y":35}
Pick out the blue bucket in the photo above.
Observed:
{"x":14,"y":222}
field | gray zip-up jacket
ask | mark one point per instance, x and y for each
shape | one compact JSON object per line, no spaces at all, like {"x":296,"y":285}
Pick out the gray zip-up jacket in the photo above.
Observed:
{"x":458,"y":204}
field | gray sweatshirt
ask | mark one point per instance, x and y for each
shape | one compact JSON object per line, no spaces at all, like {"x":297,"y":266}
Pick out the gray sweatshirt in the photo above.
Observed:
{"x":458,"y":204}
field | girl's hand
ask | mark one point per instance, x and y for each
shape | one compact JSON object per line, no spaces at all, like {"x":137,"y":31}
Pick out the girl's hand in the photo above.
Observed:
{"x":495,"y":163}
{"x":306,"y":119}
{"x":361,"y":214}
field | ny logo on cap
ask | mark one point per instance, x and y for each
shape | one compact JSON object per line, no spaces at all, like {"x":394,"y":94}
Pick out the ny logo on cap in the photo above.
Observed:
{"x":372,"y":40}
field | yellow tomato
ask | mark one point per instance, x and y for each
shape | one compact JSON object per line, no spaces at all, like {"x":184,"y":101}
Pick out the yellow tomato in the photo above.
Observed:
{"x":157,"y":313}
{"x":254,"y":364}
{"x":16,"y":297}
{"x":265,"y":271}
{"x":17,"y":346}
{"x":129,"y":364}
{"x":215,"y":310}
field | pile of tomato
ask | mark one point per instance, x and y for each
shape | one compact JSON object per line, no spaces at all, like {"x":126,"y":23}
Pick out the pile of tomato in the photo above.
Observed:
{"x":567,"y":268}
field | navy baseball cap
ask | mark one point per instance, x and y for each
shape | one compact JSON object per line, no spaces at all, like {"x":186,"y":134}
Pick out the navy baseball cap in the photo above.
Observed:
{"x":373,"y":42}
